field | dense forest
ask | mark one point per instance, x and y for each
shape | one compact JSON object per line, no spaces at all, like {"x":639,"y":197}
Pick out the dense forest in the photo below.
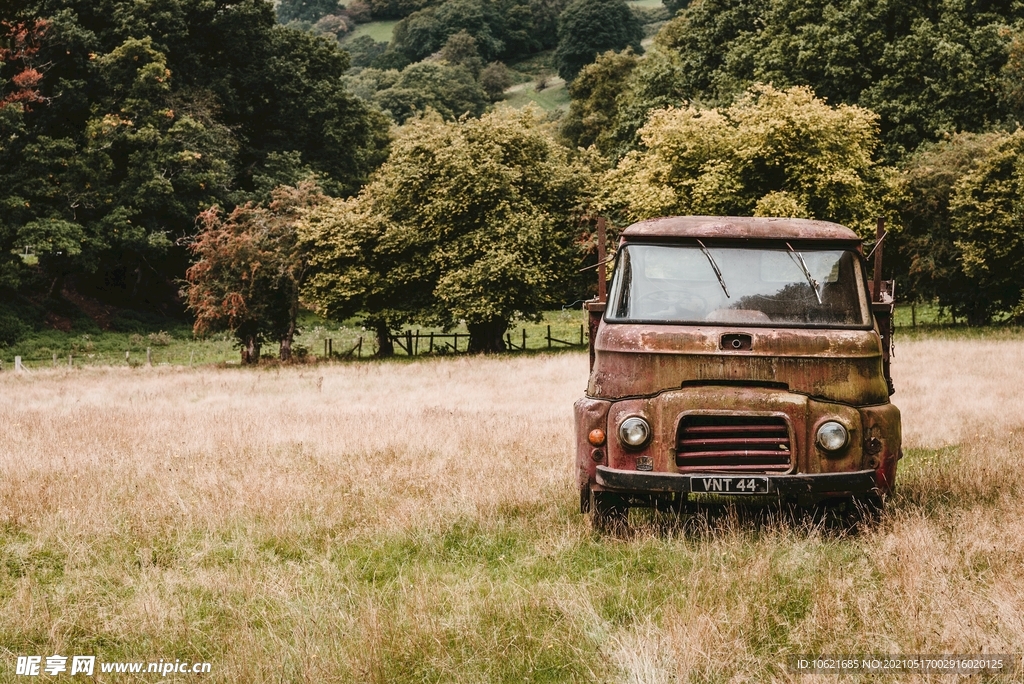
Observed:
{"x":234,"y":160}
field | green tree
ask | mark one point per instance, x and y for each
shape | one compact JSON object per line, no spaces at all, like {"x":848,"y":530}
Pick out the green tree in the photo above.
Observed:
{"x":986,"y":210}
{"x":922,"y":250}
{"x":495,"y":78}
{"x":589,"y":27}
{"x":460,"y":50}
{"x":364,"y":50}
{"x":354,"y":271}
{"x":927,"y":68}
{"x":593,"y":109}
{"x":773,"y":152}
{"x":249,"y":270}
{"x":305,"y":10}
{"x":474,"y":220}
{"x":147,"y":117}
{"x":449,"y":90}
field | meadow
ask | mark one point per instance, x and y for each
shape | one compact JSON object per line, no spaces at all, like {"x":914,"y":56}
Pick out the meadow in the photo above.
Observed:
{"x":417,"y":522}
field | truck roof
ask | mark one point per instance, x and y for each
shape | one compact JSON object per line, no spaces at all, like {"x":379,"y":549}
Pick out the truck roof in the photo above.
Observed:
{"x":744,"y":227}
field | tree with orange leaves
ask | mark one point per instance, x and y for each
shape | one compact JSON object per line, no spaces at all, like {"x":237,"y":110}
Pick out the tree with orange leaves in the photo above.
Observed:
{"x":249,"y":268}
{"x":19,"y":44}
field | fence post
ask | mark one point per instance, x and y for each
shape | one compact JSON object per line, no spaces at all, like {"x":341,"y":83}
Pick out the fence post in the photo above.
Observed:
{"x":70,"y":362}
{"x":54,"y":359}
{"x":191,"y":356}
{"x":330,"y":347}
{"x":325,"y":348}
{"x":524,"y":338}
{"x":431,"y":342}
{"x":17,"y":364}
{"x":149,"y":356}
{"x":126,"y":353}
{"x":549,"y":337}
{"x":416,"y":349}
{"x":360,"y":352}
{"x":408,"y":343}
{"x":456,"y":342}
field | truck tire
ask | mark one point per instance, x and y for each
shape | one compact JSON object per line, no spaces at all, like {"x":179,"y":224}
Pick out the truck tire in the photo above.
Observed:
{"x":609,"y":511}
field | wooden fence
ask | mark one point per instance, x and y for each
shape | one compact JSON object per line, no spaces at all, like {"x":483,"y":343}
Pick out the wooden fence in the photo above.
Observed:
{"x":412,"y":341}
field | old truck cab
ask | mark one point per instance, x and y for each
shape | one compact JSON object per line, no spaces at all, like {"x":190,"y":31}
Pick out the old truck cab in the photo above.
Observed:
{"x":737,"y":357}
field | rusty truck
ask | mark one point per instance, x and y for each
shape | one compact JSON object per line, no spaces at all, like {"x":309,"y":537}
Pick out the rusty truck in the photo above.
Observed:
{"x":737,"y":357}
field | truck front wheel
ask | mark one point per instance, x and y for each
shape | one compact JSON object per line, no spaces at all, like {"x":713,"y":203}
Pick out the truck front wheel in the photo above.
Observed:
{"x":609,"y":511}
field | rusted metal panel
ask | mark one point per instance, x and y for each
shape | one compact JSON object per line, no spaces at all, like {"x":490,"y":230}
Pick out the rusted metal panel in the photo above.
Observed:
{"x":883,"y":442}
{"x":590,"y":414}
{"x":643,"y":360}
{"x":739,"y":227}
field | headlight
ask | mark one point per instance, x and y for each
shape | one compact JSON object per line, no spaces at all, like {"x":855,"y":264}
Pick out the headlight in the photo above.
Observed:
{"x":634,"y":432}
{"x":832,"y":436}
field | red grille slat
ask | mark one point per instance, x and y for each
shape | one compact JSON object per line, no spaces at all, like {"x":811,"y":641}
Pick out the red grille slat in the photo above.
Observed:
{"x":726,"y":441}
{"x":733,"y":443}
{"x":701,"y":429}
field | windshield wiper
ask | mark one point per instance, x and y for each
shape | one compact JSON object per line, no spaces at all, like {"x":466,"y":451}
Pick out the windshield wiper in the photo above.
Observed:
{"x":718,"y":273}
{"x":810,"y":279}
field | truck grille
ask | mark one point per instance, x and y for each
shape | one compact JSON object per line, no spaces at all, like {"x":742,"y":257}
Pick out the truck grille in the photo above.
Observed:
{"x":733,"y":444}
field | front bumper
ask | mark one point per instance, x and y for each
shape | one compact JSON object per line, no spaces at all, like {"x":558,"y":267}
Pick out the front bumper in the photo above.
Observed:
{"x":630,"y":481}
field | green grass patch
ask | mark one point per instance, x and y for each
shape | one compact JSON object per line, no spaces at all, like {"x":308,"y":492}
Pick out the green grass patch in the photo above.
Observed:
{"x":380,"y":31}
{"x":553,"y":98}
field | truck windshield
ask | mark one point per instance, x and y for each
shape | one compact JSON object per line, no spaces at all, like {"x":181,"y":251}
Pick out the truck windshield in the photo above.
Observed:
{"x":739,"y":285}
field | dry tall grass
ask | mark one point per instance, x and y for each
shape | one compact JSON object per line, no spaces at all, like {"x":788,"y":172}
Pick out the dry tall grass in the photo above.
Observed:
{"x":416,"y":522}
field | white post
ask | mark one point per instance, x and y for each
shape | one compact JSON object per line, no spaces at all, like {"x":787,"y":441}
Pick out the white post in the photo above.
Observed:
{"x":149,"y":357}
{"x":17,"y":364}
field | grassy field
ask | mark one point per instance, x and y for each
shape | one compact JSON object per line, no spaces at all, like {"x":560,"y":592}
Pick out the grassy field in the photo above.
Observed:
{"x":172,"y":343}
{"x":380,"y":31}
{"x":553,"y":97}
{"x":398,"y":522}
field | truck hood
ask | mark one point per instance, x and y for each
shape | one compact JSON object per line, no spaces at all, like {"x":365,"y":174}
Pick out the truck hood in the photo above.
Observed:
{"x":634,"y":360}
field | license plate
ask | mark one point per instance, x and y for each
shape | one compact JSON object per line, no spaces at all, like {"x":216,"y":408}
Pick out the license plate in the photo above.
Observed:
{"x":728,"y":485}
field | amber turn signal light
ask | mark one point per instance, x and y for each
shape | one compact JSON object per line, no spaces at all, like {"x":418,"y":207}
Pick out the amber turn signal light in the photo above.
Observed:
{"x":596,"y":437}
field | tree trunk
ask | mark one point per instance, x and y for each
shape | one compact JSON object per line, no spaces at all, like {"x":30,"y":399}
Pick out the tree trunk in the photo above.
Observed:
{"x":978,"y":316}
{"x":385,"y":347}
{"x":289,"y":336}
{"x":488,"y":337}
{"x":56,"y":287}
{"x":251,"y":351}
{"x":286,"y":347}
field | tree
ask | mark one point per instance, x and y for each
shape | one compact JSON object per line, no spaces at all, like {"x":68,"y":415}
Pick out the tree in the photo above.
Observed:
{"x":449,"y":90}
{"x":473,"y":220}
{"x":354,"y":272}
{"x":986,"y":211}
{"x":147,"y":117}
{"x":495,"y":79}
{"x":922,"y":250}
{"x":589,"y":27}
{"x":250,"y":269}
{"x":364,"y":50}
{"x":927,"y":68}
{"x":772,"y":152}
{"x":460,"y":50}
{"x":305,"y":10}
{"x":593,"y":108}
